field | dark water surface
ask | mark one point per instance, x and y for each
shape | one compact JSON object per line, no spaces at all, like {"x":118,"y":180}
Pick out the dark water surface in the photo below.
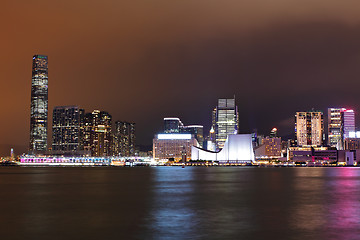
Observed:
{"x":176,"y":203}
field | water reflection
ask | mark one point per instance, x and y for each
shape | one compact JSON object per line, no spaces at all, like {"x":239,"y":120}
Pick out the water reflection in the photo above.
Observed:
{"x":171,"y":212}
{"x":327,"y":203}
{"x":198,"y":203}
{"x":176,"y":203}
{"x":344,"y":203}
{"x":308,"y":206}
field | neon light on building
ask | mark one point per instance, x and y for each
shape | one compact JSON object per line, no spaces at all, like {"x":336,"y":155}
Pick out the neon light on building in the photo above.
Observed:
{"x":170,"y":136}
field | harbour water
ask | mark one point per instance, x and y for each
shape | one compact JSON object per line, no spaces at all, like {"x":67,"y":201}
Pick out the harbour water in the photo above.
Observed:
{"x":179,"y":203}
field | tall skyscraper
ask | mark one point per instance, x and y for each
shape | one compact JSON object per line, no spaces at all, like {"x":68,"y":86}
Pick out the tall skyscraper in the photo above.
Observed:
{"x":341,"y":122}
{"x":39,"y":104}
{"x":66,"y":130}
{"x":124,"y":139}
{"x":309,"y":128}
{"x":226,"y":120}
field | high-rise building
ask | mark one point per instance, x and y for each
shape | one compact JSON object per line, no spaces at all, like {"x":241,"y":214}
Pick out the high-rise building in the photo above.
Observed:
{"x":172,"y":125}
{"x":39,"y":104}
{"x":97,"y":133}
{"x":86,"y":132}
{"x":197,"y":131}
{"x":226,"y":120}
{"x":273,"y":133}
{"x":66,"y":130}
{"x":341,"y":122}
{"x":124,"y":139}
{"x":334,"y":126}
{"x":309,"y":128}
{"x":348,"y":116}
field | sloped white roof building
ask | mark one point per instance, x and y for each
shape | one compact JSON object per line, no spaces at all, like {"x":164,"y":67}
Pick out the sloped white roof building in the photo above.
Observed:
{"x":237,"y":148}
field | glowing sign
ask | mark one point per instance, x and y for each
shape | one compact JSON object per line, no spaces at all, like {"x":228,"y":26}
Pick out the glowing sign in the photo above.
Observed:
{"x":180,"y":136}
{"x":194,"y":126}
{"x":354,"y":134}
{"x":171,"y":118}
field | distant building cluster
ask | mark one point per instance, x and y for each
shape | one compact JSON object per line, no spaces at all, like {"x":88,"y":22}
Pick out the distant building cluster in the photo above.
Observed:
{"x":93,"y":134}
{"x":74,"y":131}
{"x":175,"y":142}
{"x":311,"y":144}
{"x":179,"y":143}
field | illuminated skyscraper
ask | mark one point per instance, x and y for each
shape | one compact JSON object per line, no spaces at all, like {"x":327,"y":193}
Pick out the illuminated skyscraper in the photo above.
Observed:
{"x":309,"y":128}
{"x":39,"y":104}
{"x":124,"y":139}
{"x":334,"y":126}
{"x":97,"y":133}
{"x":66,"y":130}
{"x":226,"y":120}
{"x":348,"y":116}
{"x":341,"y":121}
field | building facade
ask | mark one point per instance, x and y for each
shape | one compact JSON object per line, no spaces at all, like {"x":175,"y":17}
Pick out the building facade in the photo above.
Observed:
{"x":238,"y":148}
{"x":272,"y":146}
{"x":97,"y":137}
{"x":124,"y":139}
{"x":197,"y":131}
{"x":309,"y":128}
{"x":66,"y":131}
{"x":341,"y":122}
{"x":334,"y":126}
{"x":348,"y":116}
{"x":39,"y":104}
{"x":226,"y":121}
{"x":172,"y":125}
{"x":173,"y":147}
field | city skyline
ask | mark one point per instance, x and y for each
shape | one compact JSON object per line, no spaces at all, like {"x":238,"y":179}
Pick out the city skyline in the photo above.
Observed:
{"x":179,"y":64}
{"x":37,"y":58}
{"x":180,"y":119}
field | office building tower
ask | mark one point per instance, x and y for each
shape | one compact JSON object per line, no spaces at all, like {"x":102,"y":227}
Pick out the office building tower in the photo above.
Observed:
{"x":66,"y":130}
{"x":273,"y":133}
{"x":309,"y":128}
{"x":86,"y":130}
{"x":334,"y":126}
{"x":39,"y":104}
{"x":226,"y":121}
{"x":97,"y":133}
{"x":341,"y":122}
{"x":124,"y":139}
{"x":197,"y":131}
{"x":348,"y":116}
{"x":172,"y":125}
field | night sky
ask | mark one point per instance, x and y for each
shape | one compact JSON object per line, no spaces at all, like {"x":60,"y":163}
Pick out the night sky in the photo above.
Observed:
{"x":143,"y":60}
